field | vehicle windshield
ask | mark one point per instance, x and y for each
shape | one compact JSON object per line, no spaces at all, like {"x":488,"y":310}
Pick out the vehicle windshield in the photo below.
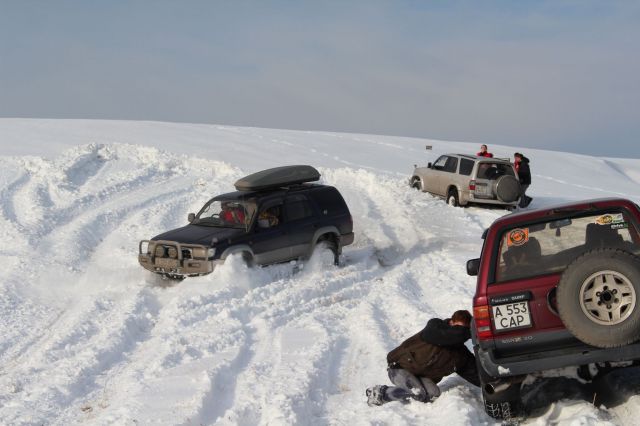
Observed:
{"x":225,"y":214}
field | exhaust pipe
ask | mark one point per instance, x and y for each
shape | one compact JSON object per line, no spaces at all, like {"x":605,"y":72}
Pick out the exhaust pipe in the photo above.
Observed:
{"x":502,"y":385}
{"x":496,"y":387}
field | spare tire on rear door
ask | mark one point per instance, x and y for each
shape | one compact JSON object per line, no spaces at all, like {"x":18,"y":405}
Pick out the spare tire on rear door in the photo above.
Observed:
{"x":507,"y":189}
{"x":597,"y":298}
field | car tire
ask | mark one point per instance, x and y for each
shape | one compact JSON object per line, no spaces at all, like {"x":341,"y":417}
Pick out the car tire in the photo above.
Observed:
{"x":452,"y":198}
{"x":330,"y":245}
{"x":598,"y":298}
{"x":248,"y":259}
{"x":507,"y":189}
{"x":506,"y":404}
{"x":416,"y":183}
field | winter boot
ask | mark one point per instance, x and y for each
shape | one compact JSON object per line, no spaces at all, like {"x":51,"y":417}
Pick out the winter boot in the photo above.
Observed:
{"x":375,"y":395}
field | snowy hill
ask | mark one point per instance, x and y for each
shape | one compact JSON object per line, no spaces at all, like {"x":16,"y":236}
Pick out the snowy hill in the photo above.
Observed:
{"x":88,"y":336}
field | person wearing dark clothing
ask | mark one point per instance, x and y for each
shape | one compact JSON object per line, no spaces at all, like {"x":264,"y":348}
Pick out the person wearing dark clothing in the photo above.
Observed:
{"x":483,"y":152}
{"x":424,"y":359}
{"x":521,"y":164}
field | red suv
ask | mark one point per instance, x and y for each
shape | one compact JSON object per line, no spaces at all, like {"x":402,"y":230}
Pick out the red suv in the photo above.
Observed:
{"x":557,"y":287}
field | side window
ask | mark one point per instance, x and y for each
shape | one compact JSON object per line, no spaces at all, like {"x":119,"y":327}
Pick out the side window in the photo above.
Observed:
{"x":451,"y":164}
{"x":547,"y":248}
{"x":270,"y":216}
{"x":329,"y":201}
{"x":296,"y":208}
{"x":440,"y":163}
{"x":466,"y":166}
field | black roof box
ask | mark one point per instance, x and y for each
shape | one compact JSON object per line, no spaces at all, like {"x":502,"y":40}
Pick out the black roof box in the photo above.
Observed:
{"x":277,"y":177}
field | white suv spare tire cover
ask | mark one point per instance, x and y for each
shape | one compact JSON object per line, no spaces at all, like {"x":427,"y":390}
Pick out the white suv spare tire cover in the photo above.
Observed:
{"x":507,"y":189}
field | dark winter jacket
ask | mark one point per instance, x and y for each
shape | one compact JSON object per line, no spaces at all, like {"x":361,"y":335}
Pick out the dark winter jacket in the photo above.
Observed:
{"x":524,"y":173}
{"x":436,"y":351}
{"x":484,"y":154}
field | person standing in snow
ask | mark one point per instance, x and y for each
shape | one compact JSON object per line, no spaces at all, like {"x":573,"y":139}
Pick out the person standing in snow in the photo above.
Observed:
{"x":424,"y":359}
{"x":521,"y":164}
{"x":483,"y":152}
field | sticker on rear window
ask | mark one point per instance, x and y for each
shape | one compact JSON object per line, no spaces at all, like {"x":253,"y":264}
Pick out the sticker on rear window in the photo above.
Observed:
{"x":518,"y":237}
{"x":621,"y":225}
{"x":608,"y":219}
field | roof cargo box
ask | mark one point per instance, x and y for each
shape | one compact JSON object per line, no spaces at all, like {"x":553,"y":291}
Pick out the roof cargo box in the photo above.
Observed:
{"x":277,"y":177}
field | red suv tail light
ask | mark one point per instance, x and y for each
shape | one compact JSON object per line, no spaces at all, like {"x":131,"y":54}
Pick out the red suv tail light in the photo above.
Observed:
{"x":472,"y":185}
{"x":483,"y":322}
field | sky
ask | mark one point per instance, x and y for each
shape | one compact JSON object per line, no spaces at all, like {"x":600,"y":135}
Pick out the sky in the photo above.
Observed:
{"x":559,"y":75}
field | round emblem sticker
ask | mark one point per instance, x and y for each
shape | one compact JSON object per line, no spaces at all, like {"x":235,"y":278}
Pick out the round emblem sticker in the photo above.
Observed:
{"x":518,"y":237}
{"x":608,"y":219}
{"x":604,"y":219}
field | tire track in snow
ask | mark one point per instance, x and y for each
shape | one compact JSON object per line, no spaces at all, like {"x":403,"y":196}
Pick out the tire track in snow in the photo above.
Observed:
{"x":284,"y":321}
{"x":163,"y":352}
{"x":236,"y":333}
{"x":7,"y":197}
{"x":84,"y":167}
{"x":264,"y":305}
{"x":81,"y":255}
{"x":88,"y":339}
{"x":126,"y":198}
{"x":73,"y":195}
{"x":87,"y":231}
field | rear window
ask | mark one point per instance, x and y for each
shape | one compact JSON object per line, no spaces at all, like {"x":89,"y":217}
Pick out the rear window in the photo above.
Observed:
{"x":466,"y":166}
{"x":493,"y":171}
{"x":546,"y":248}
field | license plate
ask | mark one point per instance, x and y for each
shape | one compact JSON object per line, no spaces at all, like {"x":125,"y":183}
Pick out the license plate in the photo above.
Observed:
{"x":163,"y":262}
{"x":482,"y":190}
{"x":511,"y":316}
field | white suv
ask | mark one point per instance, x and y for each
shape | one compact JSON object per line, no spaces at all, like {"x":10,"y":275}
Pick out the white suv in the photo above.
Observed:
{"x":462,"y":179}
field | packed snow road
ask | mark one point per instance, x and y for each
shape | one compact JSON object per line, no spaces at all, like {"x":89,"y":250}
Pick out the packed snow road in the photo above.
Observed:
{"x":88,"y":336}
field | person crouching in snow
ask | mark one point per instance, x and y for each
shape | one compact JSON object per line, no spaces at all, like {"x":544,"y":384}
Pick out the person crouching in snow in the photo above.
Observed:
{"x":424,"y":359}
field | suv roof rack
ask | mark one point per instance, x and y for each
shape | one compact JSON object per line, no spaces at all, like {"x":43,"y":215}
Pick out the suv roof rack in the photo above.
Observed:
{"x":277,"y":177}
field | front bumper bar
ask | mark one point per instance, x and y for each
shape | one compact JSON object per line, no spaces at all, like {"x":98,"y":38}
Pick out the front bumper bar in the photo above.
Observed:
{"x":178,"y":264}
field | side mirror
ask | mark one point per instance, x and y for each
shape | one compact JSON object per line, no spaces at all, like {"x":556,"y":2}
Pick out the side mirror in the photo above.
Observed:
{"x":191,"y":217}
{"x":473,"y":266}
{"x":429,"y":165}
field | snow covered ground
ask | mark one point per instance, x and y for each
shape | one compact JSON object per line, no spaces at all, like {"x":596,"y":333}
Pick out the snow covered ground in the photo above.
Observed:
{"x":88,"y":336}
